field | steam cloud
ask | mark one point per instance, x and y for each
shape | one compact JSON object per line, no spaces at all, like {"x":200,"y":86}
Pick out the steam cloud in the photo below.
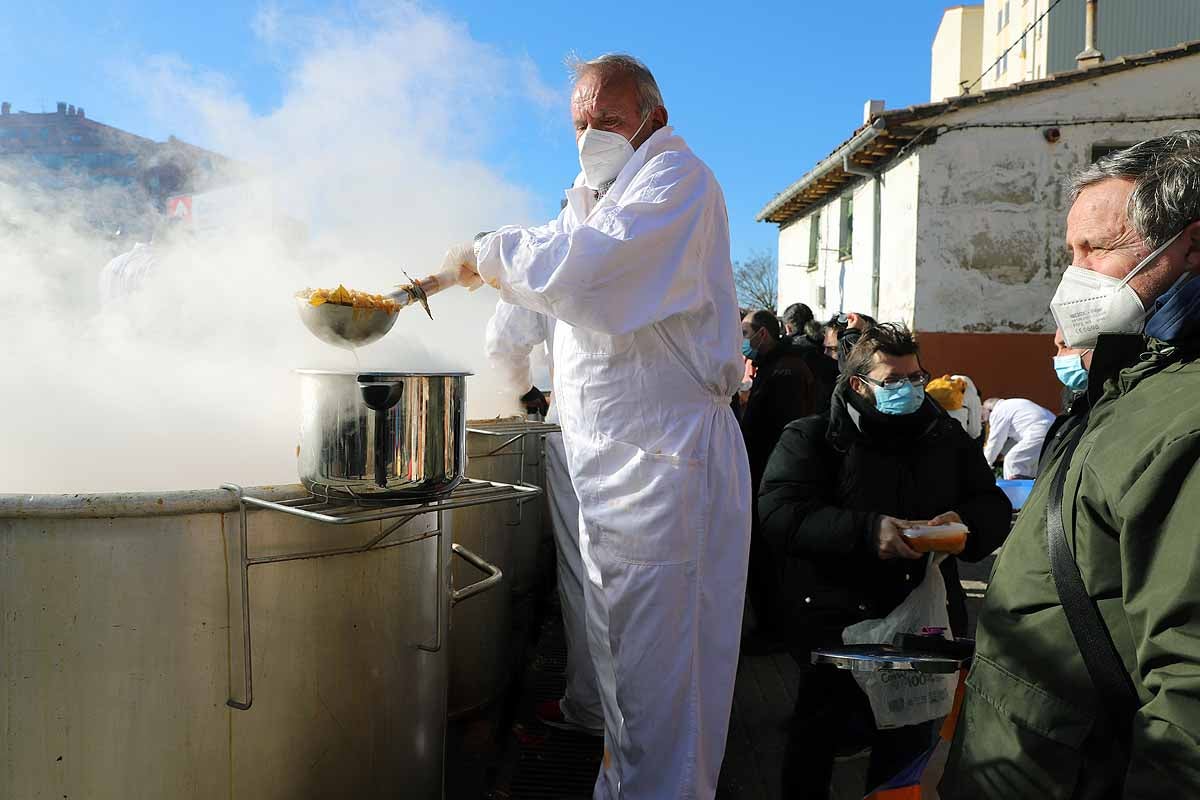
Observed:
{"x":187,"y":383}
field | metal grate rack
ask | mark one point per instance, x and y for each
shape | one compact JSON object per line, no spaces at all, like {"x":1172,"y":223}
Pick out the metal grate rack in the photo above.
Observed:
{"x":512,"y":426}
{"x":470,"y":492}
{"x":513,"y":431}
{"x":319,"y":509}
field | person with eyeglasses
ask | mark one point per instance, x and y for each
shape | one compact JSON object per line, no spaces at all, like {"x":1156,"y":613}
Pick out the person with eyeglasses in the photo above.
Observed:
{"x":837,"y":494}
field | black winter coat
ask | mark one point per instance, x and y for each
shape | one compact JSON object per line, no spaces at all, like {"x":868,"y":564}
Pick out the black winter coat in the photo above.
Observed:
{"x":783,"y":390}
{"x":823,"y":368}
{"x":824,"y":489}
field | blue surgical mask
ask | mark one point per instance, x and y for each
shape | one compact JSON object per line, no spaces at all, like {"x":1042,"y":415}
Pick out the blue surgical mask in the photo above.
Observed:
{"x":1071,"y":372}
{"x":1175,"y":314}
{"x":903,"y":399}
{"x":749,"y":350}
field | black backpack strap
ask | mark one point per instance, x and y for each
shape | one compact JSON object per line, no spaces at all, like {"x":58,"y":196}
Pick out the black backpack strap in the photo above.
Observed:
{"x":1100,"y":657}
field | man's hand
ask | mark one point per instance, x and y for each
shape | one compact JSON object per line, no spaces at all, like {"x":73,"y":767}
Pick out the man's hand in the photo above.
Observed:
{"x":947,"y":518}
{"x":857,"y":322}
{"x":889,"y":540}
{"x":459,"y":266}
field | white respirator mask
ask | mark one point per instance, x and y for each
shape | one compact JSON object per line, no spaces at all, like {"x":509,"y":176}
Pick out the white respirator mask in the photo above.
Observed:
{"x":602,"y":154}
{"x":1088,"y":303}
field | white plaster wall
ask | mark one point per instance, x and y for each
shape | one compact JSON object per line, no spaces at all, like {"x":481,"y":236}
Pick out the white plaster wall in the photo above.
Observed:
{"x":796,"y":283}
{"x":848,"y":282}
{"x":898,"y":241}
{"x":853,"y":275}
{"x":992,"y":205}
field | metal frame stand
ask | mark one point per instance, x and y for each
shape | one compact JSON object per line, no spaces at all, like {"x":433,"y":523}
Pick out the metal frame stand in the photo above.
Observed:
{"x":514,"y":431}
{"x":332,"y":512}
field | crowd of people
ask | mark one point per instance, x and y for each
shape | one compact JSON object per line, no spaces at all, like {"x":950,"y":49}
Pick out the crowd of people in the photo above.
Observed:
{"x":672,"y":503}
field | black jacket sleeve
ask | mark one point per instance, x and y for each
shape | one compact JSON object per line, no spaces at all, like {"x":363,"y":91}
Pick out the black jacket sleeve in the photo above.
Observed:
{"x":795,"y":501}
{"x":984,"y":508}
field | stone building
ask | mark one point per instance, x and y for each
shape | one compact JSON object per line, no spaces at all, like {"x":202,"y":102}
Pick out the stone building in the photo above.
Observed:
{"x":950,"y":216}
{"x":65,"y":153}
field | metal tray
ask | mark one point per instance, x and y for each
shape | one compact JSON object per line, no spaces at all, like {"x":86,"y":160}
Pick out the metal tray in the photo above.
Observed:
{"x":879,"y":657}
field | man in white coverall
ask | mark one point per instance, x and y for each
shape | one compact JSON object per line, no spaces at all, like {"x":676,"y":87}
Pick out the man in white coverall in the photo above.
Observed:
{"x":636,"y":271}
{"x":512,"y":334}
{"x":1021,"y":423}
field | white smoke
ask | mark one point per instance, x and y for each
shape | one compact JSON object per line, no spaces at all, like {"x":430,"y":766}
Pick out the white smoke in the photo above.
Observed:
{"x":376,"y":148}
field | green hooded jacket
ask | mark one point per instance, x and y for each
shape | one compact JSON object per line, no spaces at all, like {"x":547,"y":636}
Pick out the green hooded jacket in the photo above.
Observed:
{"x":1032,"y":725}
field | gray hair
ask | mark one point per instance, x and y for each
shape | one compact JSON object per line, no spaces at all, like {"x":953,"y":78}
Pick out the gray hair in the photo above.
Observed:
{"x":1166,"y":177}
{"x":649,"y":97}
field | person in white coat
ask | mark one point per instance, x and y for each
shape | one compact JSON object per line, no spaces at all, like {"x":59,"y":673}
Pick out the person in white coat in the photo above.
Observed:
{"x":1017,"y":428}
{"x":637,"y":272}
{"x":125,"y":274}
{"x":513,"y":333}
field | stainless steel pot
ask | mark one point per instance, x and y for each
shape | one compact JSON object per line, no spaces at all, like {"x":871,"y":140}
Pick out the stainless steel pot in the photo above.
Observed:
{"x":382,"y":435}
{"x":349,"y":698}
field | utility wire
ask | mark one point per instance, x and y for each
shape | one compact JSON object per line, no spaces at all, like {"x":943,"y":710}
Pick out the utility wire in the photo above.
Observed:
{"x":917,"y":140}
{"x":942,"y":130}
{"x":1054,"y":123}
{"x":1016,"y":41}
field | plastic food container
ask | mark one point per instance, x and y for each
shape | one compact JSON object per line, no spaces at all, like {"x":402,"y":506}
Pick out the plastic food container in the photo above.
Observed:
{"x":948,"y":538}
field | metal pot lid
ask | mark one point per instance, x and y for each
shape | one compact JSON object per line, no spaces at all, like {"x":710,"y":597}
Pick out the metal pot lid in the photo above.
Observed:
{"x":376,"y":375}
{"x":879,"y":657}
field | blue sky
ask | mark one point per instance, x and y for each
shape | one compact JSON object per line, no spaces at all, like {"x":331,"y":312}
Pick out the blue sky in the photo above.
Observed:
{"x":761,"y":91}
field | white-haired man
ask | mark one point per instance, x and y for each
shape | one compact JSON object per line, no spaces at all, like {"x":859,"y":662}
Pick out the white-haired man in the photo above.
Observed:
{"x":1086,"y":679}
{"x":636,"y":270}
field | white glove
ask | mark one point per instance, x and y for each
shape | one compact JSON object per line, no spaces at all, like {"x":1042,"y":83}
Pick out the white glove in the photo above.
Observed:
{"x":459,"y":266}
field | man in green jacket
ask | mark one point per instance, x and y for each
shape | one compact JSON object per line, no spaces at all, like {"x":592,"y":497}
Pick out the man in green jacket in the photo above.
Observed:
{"x":1034,"y":722}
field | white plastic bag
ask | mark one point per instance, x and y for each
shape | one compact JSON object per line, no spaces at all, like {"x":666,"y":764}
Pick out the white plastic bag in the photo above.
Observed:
{"x":902,"y":697}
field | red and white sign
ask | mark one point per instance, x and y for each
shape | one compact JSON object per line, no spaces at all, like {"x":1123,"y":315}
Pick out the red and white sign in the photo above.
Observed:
{"x":180,"y":208}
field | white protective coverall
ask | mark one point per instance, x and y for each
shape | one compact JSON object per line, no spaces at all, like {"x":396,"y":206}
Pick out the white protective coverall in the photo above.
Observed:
{"x":125,"y":274}
{"x":512,"y":333}
{"x":646,"y":360}
{"x":1025,"y":424}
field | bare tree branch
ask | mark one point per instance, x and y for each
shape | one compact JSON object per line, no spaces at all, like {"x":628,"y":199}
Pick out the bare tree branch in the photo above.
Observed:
{"x":757,"y":281}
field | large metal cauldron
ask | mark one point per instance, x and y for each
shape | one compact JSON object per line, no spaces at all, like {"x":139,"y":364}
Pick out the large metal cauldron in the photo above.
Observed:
{"x":115,"y":653}
{"x":382,"y":435}
{"x":483,"y":649}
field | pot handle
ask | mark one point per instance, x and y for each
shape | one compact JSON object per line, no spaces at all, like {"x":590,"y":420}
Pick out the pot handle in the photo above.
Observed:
{"x":494,"y":575}
{"x":380,"y":396}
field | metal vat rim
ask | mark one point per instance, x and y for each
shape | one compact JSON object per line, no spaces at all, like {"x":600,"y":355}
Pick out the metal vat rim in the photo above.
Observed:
{"x":384,"y":373}
{"x":92,"y":505}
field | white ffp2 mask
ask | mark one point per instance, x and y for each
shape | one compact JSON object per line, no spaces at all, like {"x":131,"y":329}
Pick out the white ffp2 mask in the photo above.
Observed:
{"x":602,"y":154}
{"x":1088,"y":303}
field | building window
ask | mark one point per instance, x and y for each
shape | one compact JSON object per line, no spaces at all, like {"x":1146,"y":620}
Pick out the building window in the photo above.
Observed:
{"x":846,"y":228}
{"x":1007,"y":9}
{"x":814,"y":239}
{"x":1004,"y":63}
{"x":821,"y":296}
{"x":1099,"y":151}
{"x":999,"y":21}
{"x":1022,"y":45}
